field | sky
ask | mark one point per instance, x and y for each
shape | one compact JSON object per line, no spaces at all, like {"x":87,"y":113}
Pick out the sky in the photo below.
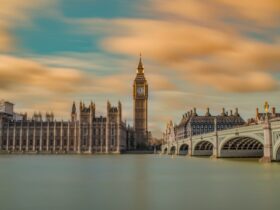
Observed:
{"x":207,"y":53}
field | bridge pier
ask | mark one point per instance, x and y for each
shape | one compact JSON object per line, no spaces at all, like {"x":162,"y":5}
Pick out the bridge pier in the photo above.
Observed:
{"x":190,"y":149}
{"x":215,"y":147}
{"x":215,"y":143}
{"x":267,"y":147}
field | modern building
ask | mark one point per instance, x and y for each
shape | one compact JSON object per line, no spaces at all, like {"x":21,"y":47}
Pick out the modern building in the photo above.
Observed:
{"x":140,"y":101}
{"x":193,"y":124}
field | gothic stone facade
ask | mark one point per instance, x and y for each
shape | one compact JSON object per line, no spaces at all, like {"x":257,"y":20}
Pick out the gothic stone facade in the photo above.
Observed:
{"x":140,"y":99}
{"x":85,"y":133}
{"x":192,"y":124}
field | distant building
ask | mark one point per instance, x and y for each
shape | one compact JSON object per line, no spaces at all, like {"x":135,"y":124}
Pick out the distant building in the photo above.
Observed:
{"x":192,"y":124}
{"x":6,"y":108}
{"x":85,"y":133}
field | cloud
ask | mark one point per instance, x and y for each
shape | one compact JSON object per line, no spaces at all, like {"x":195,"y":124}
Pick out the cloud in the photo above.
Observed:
{"x":265,"y":13}
{"x":166,"y":41}
{"x":17,"y":73}
{"x":14,"y":13}
{"x":248,"y":82}
{"x":5,"y":39}
{"x":261,"y":13}
{"x":203,"y":42}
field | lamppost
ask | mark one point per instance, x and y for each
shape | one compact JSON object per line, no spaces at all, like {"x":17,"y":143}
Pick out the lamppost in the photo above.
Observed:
{"x":267,"y":148}
{"x":266,"y":108}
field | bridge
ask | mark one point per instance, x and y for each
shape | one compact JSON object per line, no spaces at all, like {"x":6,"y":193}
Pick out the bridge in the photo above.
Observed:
{"x":259,"y":140}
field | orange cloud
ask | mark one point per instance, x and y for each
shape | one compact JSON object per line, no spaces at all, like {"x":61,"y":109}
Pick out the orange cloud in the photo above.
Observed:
{"x":167,"y":41}
{"x":14,"y":13}
{"x":264,"y":13}
{"x":248,"y":82}
{"x":203,"y":42}
{"x":17,"y":73}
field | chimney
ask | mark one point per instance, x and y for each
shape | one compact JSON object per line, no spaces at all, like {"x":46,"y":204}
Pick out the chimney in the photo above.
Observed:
{"x":273,"y":111}
{"x":194,"y":111}
{"x":223,"y":112}
{"x":230,"y":112}
{"x":236,"y":112}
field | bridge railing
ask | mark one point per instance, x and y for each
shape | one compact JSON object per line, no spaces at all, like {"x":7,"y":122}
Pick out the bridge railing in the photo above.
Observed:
{"x":239,"y":128}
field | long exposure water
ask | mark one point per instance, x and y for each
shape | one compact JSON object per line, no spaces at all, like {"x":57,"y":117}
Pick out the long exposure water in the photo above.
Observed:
{"x":136,"y":182}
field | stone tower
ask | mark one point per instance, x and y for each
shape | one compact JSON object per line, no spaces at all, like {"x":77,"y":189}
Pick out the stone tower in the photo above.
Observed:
{"x":74,"y":113}
{"x":140,"y":99}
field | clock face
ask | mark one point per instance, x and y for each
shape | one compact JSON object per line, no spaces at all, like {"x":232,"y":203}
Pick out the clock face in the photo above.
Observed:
{"x":140,"y":91}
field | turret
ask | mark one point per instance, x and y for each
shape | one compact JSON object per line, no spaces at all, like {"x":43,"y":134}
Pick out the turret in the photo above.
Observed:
{"x":37,"y":117}
{"x":24,"y":117}
{"x":81,"y":106}
{"x":74,"y":112}
{"x":108,"y":107}
{"x":40,"y":116}
{"x":207,"y":112}
{"x":92,"y":111}
{"x":120,"y":111}
{"x":52,"y":116}
{"x":47,"y":117}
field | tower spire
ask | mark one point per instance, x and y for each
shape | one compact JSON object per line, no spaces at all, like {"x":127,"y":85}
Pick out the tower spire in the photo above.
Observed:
{"x":73,"y":108}
{"x":140,"y":65}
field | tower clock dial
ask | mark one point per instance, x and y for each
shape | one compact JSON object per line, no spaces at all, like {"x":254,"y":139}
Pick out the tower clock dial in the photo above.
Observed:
{"x":140,"y":90}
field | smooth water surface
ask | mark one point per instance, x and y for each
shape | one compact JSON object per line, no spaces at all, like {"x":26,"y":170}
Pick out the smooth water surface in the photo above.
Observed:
{"x":136,"y":182}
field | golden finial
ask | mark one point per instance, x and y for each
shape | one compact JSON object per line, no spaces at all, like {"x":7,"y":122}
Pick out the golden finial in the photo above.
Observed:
{"x":266,"y":107}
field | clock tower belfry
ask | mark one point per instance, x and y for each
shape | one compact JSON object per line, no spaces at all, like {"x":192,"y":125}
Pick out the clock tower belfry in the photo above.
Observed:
{"x":140,"y":99}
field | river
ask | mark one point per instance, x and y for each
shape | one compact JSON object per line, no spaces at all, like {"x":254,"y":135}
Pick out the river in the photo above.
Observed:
{"x":136,"y":182}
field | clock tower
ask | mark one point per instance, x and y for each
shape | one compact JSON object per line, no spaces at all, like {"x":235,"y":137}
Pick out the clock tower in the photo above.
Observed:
{"x":140,"y":99}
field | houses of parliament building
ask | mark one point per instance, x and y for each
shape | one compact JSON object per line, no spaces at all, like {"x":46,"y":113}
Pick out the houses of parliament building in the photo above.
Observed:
{"x":83,"y":133}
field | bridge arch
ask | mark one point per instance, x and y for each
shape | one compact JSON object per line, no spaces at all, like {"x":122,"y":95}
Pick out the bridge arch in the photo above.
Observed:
{"x":241,"y":146}
{"x":164,"y":150}
{"x":183,"y":149}
{"x":203,"y":148}
{"x":276,"y":152}
{"x":172,"y":150}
